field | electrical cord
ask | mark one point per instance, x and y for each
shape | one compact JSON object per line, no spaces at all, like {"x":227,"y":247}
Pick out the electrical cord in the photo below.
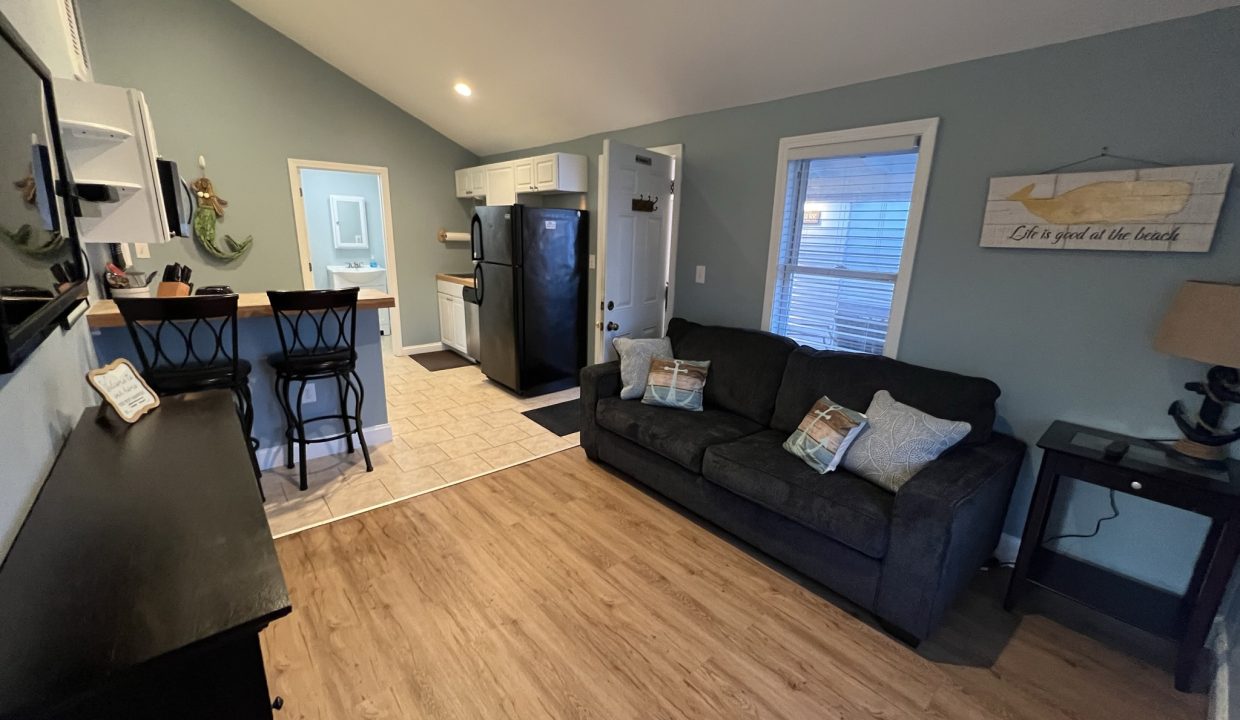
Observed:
{"x":1097,"y":526}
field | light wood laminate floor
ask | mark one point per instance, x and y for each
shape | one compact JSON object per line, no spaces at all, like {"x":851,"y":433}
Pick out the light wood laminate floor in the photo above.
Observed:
{"x":556,"y":589}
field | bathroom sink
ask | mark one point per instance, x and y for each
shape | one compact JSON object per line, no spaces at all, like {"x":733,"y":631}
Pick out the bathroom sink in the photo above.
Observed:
{"x":346,"y":275}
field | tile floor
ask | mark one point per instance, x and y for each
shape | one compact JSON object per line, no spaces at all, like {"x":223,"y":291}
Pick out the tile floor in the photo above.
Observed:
{"x":448,"y":426}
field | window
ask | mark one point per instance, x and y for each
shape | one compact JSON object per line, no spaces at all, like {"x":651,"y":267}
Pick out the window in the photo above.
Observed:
{"x":844,"y":233}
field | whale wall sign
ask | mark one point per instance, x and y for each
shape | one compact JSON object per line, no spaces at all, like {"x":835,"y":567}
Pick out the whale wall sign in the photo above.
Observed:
{"x":1164,"y":209}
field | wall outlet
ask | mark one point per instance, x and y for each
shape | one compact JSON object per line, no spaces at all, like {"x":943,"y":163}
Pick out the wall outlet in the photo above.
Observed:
{"x":309,"y":395}
{"x":142,"y":250}
{"x":700,"y":275}
{"x":593,"y":263}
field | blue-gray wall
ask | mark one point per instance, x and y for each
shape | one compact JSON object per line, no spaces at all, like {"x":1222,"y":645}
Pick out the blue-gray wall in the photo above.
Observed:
{"x":222,"y":84}
{"x":1065,"y":334}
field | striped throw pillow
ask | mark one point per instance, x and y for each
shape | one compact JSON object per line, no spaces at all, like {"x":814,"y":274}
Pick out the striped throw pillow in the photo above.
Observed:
{"x":676,"y":383}
{"x":824,"y":434}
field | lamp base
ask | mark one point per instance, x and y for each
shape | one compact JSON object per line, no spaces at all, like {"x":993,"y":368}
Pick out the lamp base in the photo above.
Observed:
{"x":1195,"y":453}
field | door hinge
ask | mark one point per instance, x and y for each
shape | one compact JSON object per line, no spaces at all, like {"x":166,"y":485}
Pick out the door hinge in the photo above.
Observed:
{"x":673,"y":188}
{"x":310,"y":266}
{"x":301,"y":192}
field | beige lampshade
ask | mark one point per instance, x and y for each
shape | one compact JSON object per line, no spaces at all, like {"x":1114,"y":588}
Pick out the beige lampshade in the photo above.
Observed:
{"x":1203,"y":324}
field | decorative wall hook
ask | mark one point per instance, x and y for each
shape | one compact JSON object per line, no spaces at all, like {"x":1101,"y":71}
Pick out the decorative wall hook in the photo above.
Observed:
{"x":645,"y":203}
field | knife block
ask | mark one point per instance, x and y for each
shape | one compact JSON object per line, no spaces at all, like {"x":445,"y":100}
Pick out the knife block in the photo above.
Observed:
{"x":172,"y":289}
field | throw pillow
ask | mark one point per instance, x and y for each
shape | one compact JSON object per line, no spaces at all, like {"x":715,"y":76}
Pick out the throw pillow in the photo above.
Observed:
{"x":676,"y":383}
{"x":824,"y":434}
{"x":635,"y":357}
{"x":900,"y":441}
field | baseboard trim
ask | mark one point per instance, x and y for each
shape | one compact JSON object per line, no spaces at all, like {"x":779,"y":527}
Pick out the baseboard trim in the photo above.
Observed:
{"x":1009,"y":546}
{"x":376,"y":435}
{"x":423,"y":348}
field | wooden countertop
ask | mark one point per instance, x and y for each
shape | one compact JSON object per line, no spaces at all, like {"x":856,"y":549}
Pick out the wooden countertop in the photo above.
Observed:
{"x":253,"y":304}
{"x":466,"y":281}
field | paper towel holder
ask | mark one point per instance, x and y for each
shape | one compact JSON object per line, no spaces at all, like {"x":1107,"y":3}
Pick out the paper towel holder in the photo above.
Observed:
{"x":445,"y":236}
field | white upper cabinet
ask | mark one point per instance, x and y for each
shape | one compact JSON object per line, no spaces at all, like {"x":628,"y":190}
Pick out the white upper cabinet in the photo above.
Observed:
{"x":523,"y":175}
{"x":500,"y":183}
{"x":500,"y":187}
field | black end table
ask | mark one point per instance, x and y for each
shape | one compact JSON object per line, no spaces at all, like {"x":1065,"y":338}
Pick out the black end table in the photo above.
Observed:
{"x":1077,"y":452}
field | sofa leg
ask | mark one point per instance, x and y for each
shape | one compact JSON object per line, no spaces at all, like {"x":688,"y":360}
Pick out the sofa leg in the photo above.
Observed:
{"x":900,"y":634}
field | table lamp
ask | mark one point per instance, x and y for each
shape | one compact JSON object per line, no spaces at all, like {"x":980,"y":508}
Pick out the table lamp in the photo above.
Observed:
{"x":1203,"y":324}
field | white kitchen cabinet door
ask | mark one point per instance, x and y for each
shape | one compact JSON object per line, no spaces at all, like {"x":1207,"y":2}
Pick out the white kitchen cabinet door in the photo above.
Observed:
{"x":478,"y":182}
{"x":459,"y":335}
{"x":446,"y":324}
{"x":462,"y":183}
{"x":546,"y":170}
{"x":523,"y":175}
{"x":500,"y":187}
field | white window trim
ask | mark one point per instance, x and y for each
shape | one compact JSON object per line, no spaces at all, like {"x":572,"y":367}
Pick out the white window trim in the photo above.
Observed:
{"x":926,"y":129}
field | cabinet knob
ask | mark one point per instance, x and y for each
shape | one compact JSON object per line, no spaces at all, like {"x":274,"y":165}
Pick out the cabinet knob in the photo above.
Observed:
{"x":1136,"y":485}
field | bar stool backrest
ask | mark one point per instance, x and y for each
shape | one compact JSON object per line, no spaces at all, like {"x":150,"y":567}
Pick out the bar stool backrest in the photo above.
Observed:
{"x":178,"y":333}
{"x":315,"y":322}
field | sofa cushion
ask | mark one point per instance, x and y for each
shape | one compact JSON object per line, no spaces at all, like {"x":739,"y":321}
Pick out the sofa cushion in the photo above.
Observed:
{"x":746,"y":366}
{"x":851,"y":379}
{"x":840,"y":505}
{"x":679,"y":436}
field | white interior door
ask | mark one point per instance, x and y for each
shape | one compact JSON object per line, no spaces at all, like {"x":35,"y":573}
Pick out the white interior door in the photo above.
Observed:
{"x":633,"y":244}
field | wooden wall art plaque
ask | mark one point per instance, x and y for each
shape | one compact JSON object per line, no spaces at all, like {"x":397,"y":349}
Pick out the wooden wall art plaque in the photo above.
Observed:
{"x":1161,"y":209}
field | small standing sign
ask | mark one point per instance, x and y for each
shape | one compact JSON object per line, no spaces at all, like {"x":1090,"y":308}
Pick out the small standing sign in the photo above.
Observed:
{"x":123,"y":389}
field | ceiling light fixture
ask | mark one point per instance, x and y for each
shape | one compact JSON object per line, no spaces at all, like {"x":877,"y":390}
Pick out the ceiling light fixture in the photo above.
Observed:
{"x":463,"y":90}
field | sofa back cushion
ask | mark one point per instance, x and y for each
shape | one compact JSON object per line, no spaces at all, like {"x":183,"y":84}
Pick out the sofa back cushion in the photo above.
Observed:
{"x":746,"y":366}
{"x":851,"y":379}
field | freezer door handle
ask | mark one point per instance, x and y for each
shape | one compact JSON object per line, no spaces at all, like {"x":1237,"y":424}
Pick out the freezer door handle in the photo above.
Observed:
{"x":475,"y":238}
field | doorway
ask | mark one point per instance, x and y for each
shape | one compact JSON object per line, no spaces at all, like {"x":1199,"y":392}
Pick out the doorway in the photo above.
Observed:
{"x":639,"y":219}
{"x":343,"y":216}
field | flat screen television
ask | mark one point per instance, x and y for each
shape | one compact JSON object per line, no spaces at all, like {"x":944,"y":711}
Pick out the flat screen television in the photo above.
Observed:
{"x":42,"y":271}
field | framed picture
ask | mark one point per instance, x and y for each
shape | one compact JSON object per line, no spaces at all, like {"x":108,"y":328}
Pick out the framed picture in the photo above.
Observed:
{"x":122,"y":387}
{"x":1162,"y":209}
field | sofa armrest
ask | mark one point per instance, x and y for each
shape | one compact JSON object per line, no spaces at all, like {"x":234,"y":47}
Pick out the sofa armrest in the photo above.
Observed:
{"x":945,"y":523}
{"x":597,"y":382}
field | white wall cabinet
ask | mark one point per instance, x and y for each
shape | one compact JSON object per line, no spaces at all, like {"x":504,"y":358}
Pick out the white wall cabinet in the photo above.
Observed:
{"x":500,"y":183}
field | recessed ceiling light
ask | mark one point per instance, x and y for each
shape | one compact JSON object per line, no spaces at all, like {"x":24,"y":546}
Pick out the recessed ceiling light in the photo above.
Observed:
{"x":463,"y":90}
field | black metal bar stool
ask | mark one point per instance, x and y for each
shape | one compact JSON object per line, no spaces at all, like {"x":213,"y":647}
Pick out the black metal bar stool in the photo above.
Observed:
{"x":318,"y":332}
{"x":187,"y":344}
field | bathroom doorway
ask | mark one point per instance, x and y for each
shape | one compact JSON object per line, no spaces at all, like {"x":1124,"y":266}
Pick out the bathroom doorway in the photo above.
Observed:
{"x":343,"y":216}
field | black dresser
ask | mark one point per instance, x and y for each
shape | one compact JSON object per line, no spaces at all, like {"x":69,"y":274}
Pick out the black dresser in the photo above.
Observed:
{"x":139,"y":581}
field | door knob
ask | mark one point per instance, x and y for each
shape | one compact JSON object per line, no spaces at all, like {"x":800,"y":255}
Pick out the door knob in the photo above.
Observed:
{"x":611,"y":305}
{"x":612,"y":327}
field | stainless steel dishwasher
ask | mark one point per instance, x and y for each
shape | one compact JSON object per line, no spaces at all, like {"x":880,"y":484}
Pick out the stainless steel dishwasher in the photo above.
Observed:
{"x":472,"y":343}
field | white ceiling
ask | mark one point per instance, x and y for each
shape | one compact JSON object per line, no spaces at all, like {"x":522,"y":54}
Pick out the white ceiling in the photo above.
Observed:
{"x":551,"y":70}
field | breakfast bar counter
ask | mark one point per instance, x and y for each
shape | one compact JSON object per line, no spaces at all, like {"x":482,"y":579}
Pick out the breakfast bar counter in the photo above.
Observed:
{"x":251,"y":304}
{"x":259,"y":342}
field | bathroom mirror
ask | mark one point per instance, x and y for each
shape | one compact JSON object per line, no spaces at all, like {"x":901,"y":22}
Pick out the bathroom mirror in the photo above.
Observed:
{"x":349,"y":222}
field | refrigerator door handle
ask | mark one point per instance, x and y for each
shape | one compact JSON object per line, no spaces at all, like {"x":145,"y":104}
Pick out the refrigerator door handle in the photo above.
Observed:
{"x":478,"y":284}
{"x":475,"y":238}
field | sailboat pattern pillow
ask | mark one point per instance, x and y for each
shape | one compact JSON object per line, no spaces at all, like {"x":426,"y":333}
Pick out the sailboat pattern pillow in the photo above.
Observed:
{"x":824,"y":434}
{"x":676,"y":383}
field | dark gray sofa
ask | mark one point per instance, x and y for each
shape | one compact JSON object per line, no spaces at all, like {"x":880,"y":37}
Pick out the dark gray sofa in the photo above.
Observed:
{"x":903,"y":556}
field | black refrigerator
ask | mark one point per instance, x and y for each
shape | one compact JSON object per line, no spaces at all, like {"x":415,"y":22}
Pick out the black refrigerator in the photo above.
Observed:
{"x":530,"y":288}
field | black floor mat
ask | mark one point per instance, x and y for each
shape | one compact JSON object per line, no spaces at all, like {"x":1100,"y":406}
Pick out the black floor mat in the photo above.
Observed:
{"x":440,"y":360}
{"x":562,"y":419}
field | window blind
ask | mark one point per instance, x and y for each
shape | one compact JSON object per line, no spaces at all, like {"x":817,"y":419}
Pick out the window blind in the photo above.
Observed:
{"x":844,"y":222}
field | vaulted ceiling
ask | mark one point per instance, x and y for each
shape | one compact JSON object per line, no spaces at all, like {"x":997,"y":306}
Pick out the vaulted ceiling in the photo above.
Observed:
{"x":549,"y":70}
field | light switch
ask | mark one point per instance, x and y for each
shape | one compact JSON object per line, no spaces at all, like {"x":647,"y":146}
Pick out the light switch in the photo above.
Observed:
{"x":700,"y":275}
{"x":592,"y":263}
{"x":142,"y":250}
{"x":310,"y":395}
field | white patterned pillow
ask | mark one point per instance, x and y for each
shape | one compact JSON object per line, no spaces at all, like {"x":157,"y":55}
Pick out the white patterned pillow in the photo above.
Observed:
{"x":899,"y":441}
{"x":635,"y":357}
